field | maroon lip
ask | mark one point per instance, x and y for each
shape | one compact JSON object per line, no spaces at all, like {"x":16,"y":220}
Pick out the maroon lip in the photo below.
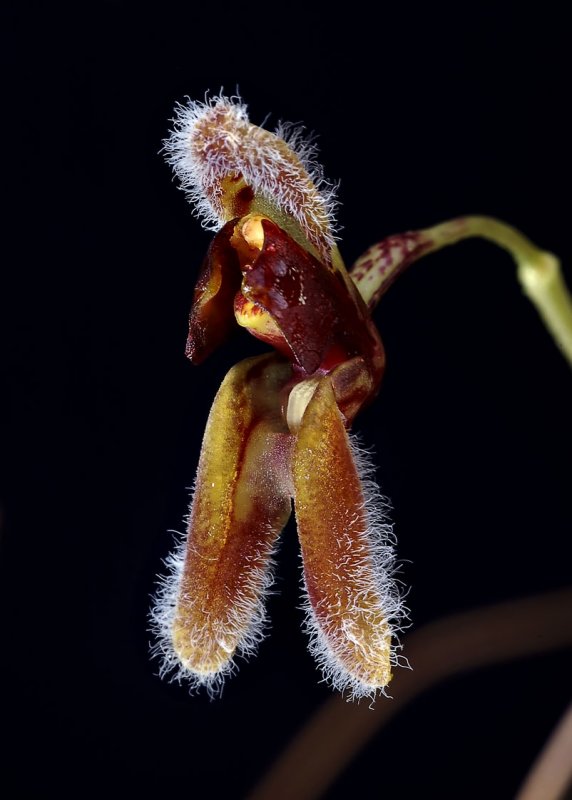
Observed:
{"x":321,"y":324}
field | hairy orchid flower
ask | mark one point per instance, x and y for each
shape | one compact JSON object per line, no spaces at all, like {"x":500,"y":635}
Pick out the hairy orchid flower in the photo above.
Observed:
{"x":278,"y":431}
{"x":278,"y":427}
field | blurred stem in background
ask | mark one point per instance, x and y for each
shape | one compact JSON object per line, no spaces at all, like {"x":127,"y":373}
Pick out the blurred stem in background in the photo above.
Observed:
{"x":551,"y":773}
{"x":483,"y":637}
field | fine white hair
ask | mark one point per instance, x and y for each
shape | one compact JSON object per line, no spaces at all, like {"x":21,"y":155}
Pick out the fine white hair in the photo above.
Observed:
{"x":375,"y":577}
{"x":214,"y":139}
{"x":246,"y":622}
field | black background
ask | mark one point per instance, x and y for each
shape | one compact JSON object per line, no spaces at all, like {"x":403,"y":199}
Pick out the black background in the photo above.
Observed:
{"x":422,"y":116}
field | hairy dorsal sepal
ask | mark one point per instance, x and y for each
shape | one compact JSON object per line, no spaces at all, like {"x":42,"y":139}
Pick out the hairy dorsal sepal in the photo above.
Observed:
{"x":228,"y":167}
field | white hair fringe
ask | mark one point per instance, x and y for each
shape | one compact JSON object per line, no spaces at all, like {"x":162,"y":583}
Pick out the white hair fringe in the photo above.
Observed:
{"x":281,"y":167}
{"x":247,"y":622}
{"x":378,"y":576}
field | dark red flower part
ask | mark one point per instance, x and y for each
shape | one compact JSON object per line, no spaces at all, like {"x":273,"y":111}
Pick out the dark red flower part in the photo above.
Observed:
{"x":287,"y":297}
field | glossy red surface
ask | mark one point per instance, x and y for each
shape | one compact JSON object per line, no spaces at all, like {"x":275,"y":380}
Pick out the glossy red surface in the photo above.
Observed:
{"x":323,"y":324}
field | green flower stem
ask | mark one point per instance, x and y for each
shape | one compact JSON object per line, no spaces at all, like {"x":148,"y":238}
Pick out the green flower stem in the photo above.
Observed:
{"x":538,"y":271}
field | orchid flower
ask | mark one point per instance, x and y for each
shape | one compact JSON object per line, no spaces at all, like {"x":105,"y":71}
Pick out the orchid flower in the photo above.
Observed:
{"x":278,"y":431}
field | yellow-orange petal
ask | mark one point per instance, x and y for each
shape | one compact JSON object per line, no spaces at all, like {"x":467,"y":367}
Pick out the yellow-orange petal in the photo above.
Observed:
{"x":261,"y":324}
{"x":352,"y":602}
{"x":212,"y":607}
